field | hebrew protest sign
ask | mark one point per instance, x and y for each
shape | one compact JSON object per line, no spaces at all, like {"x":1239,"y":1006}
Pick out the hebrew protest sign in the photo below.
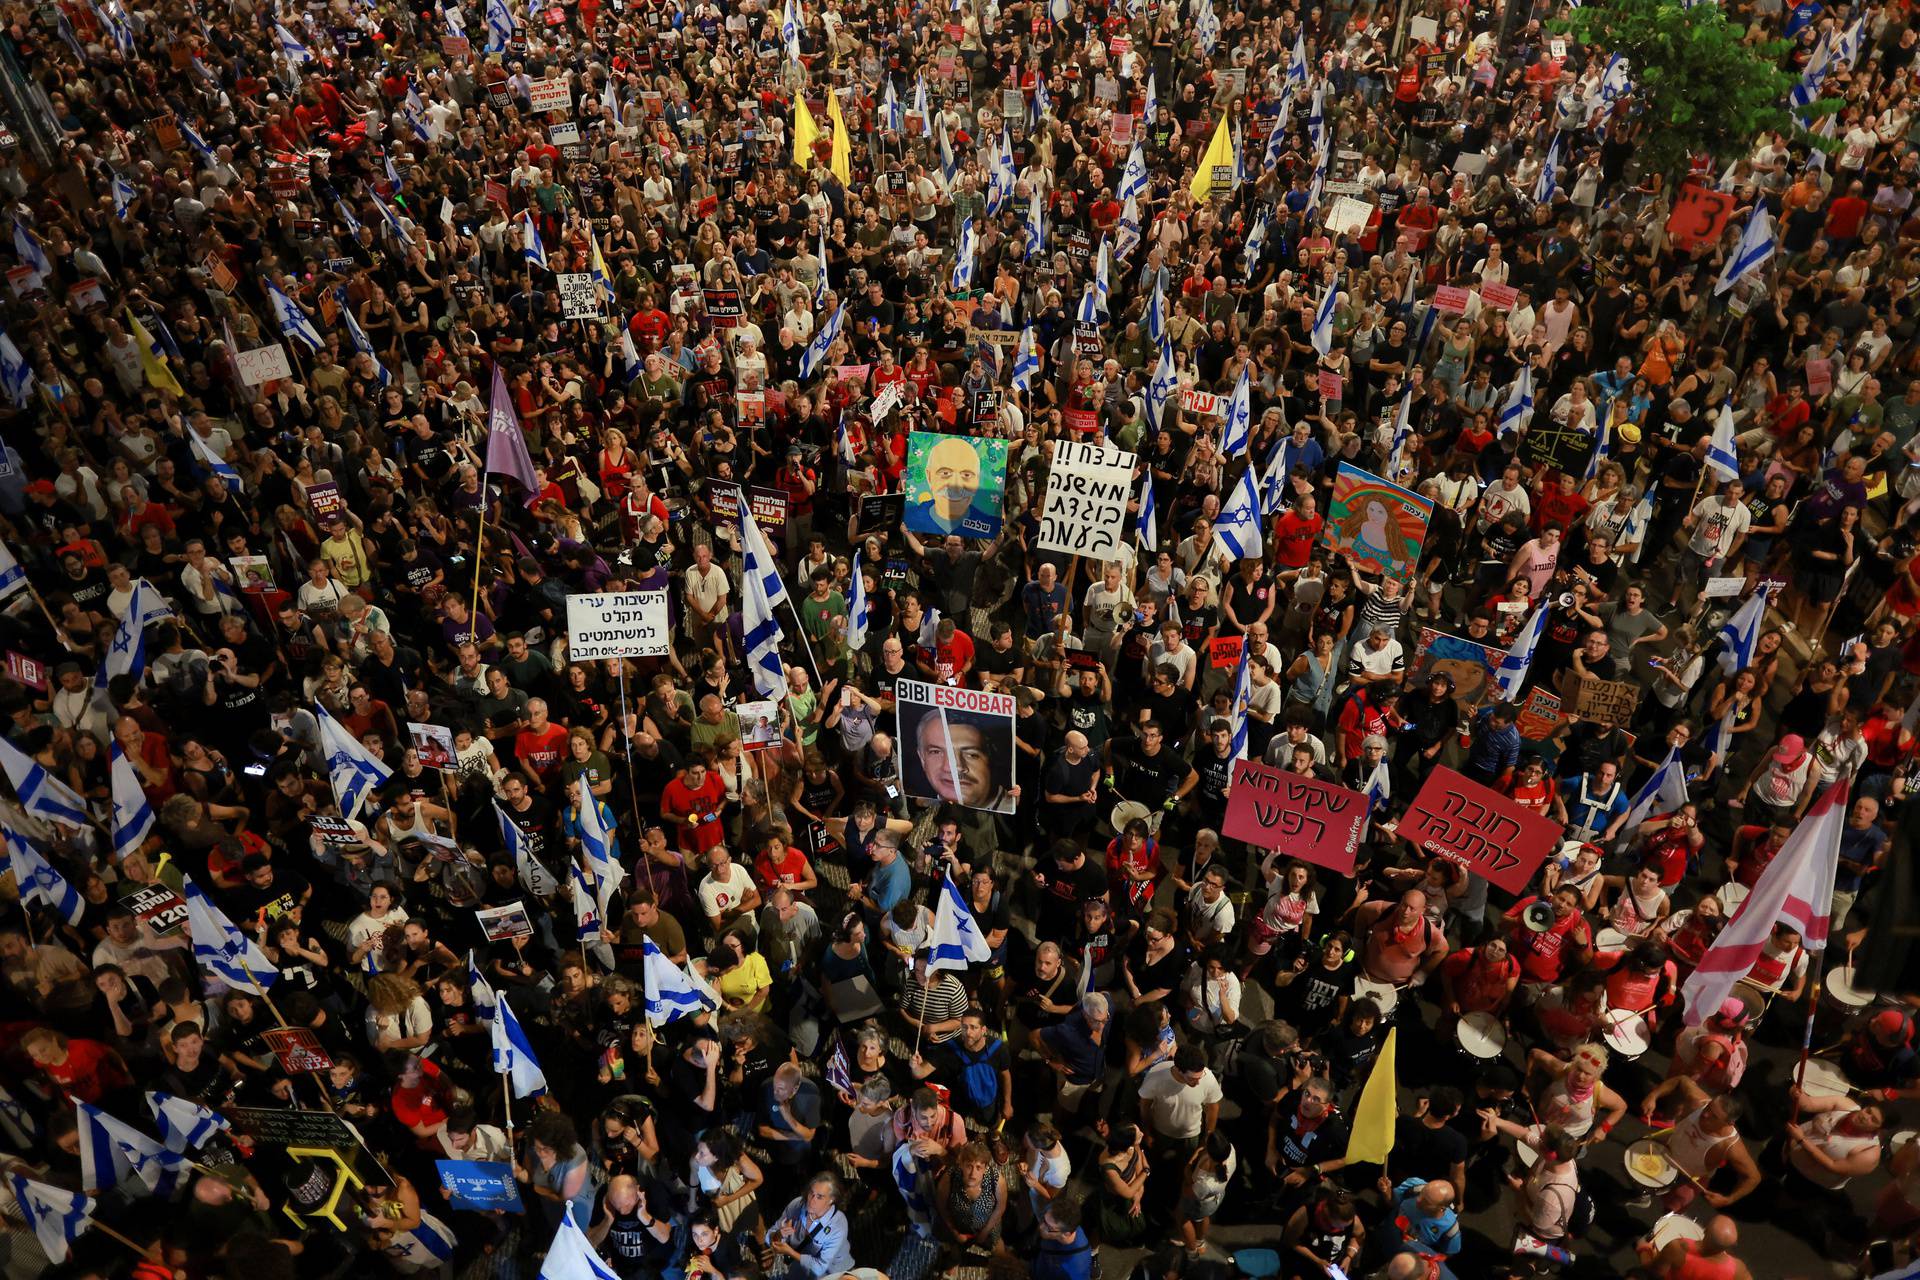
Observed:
{"x":1300,"y":816}
{"x":622,"y":624}
{"x":1478,"y":828}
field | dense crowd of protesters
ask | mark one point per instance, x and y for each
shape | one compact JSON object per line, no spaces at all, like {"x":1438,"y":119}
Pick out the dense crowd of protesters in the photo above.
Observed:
{"x":1171,"y":1027}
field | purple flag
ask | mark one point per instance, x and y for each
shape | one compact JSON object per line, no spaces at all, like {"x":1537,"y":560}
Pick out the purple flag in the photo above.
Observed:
{"x":506,"y":447}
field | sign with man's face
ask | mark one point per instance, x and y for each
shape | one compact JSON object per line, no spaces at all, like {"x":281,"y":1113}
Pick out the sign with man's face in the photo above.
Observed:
{"x":959,"y":744}
{"x":954,"y":484}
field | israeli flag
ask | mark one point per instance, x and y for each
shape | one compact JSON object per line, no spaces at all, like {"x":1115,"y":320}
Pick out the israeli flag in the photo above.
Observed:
{"x":1206,"y":27}
{"x":1026,"y":361}
{"x":1239,"y":426}
{"x":533,"y":875}
{"x":1543,"y":186}
{"x":816,"y":353}
{"x":213,"y":462}
{"x":1237,"y":712}
{"x":415,"y":114}
{"x":221,"y":949}
{"x":1322,"y":336}
{"x":1512,"y":673}
{"x":16,"y":377}
{"x":37,"y":881}
{"x":610,"y":97}
{"x":1517,"y":412}
{"x":513,"y":1054}
{"x":600,"y":846}
{"x":1238,"y":527}
{"x":530,"y":247}
{"x":184,"y":1124}
{"x":671,"y":991}
{"x":956,"y":941}
{"x":572,"y":1256}
{"x":763,"y":633}
{"x":57,"y":1217}
{"x":1153,"y":101}
{"x":629,"y":356}
{"x":1756,"y":246}
{"x":341,"y":207}
{"x":1035,"y":227}
{"x":397,"y":229}
{"x":1297,"y":64}
{"x":1157,"y":313}
{"x":963,"y":260}
{"x":352,"y":769}
{"x":920,"y":106}
{"x":111,"y":1151}
{"x":857,"y":611}
{"x":1723,"y":457}
{"x":18,"y":1125}
{"x":296,"y":53}
{"x":292,"y":321}
{"x":41,"y":794}
{"x":891,"y":115}
{"x":820,"y":284}
{"x":1042,"y":101}
{"x":500,"y":25}
{"x":132,"y":815}
{"x":1256,"y":245}
{"x":1145,"y":529}
{"x":480,"y":991}
{"x":1402,"y":432}
{"x":1133,"y":179}
{"x":31,"y":255}
{"x":1664,"y":792}
{"x":1102,"y":285}
{"x":194,"y":140}
{"x":1000,"y":176}
{"x":1162,"y":386}
{"x":127,"y":655}
{"x":124,"y":195}
{"x":1720,"y":737}
{"x":1277,"y":135}
{"x":358,"y":337}
{"x":586,"y":915}
{"x":790,"y":29}
{"x":1317,"y":118}
{"x":949,"y":163}
{"x":1740,"y":637}
{"x":1126,"y":232}
{"x":1272,"y":476}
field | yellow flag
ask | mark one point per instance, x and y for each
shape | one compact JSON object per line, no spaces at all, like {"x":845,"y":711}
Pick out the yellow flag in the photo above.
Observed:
{"x":1379,"y":1103}
{"x":804,"y":132}
{"x":1219,"y":156}
{"x":152,"y":363}
{"x":842,"y":142}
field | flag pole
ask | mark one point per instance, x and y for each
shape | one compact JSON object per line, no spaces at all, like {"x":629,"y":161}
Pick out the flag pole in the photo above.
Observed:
{"x":150,"y":1252}
{"x":1806,"y":1045}
{"x":479,"y":542}
{"x":633,"y":798}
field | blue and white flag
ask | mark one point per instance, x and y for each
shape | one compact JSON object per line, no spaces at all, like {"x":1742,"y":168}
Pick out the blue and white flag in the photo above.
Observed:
{"x":1026,"y":361}
{"x":572,"y":1256}
{"x":1544,"y":186}
{"x":600,"y":845}
{"x":963,"y":259}
{"x":1238,"y":527}
{"x":112,"y":1150}
{"x":1664,"y":792}
{"x":1322,"y":336}
{"x":858,"y":614}
{"x":31,"y":255}
{"x":1756,"y":246}
{"x":513,"y":1054}
{"x":184,"y":1124}
{"x":1000,"y":175}
{"x":41,"y":794}
{"x":1237,"y":710}
{"x":1145,"y":528}
{"x":37,"y":881}
{"x":1157,"y":313}
{"x":132,"y":815}
{"x":1162,"y":386}
{"x":1126,"y":232}
{"x":19,"y":1124}
{"x":534,"y":875}
{"x":1256,"y":245}
{"x":891,"y":116}
{"x":1206,"y":26}
{"x":671,"y":991}
{"x":630,"y":356}
{"x":213,"y":462}
{"x":1297,"y":64}
{"x":296,"y":53}
{"x":1518,"y":660}
{"x":1102,"y":286}
{"x":220,"y":948}
{"x":354,"y":771}
{"x":16,"y":376}
{"x":127,"y":654}
{"x":956,"y":941}
{"x":480,"y":992}
{"x":1133,"y":179}
{"x":1152,"y":106}
{"x":1723,"y":456}
{"x":358,"y":337}
{"x":820,"y":283}
{"x":1517,"y":412}
{"x":1740,"y":637}
{"x":290,"y":319}
{"x":761,"y":629}
{"x":949,"y":163}
{"x":57,"y":1217}
{"x":1273,"y":476}
{"x":920,"y":106}
{"x":345,"y":210}
{"x":1402,"y":433}
{"x":816,"y":353}
{"x":1042,"y":101}
{"x":500,"y":25}
{"x":1238,"y":431}
{"x":194,"y":140}
{"x":790,"y":29}
{"x":124,"y":195}
{"x":1034,"y":226}
{"x":586,"y":915}
{"x":530,"y":247}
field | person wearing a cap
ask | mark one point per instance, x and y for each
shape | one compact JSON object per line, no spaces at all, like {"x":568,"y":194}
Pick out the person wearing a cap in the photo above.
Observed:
{"x":1781,"y":784}
{"x":1715,"y":1052}
{"x":1879,"y":1057}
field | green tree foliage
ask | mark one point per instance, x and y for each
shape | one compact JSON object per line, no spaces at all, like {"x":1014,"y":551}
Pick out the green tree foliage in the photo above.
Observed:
{"x":1699,"y":83}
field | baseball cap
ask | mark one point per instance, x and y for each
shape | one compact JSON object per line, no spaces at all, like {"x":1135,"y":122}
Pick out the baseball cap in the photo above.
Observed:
{"x":1791,"y":749}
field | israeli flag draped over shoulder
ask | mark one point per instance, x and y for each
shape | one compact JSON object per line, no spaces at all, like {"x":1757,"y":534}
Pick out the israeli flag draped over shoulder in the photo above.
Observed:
{"x":957,"y":941}
{"x":353,"y":770}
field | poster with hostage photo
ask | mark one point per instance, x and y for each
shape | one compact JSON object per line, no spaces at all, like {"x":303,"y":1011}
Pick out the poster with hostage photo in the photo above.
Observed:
{"x":957,"y":745}
{"x":955,"y":484}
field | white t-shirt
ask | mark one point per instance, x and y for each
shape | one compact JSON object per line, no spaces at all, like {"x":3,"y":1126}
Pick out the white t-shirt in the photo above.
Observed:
{"x":718,"y":895}
{"x":1179,"y":1109}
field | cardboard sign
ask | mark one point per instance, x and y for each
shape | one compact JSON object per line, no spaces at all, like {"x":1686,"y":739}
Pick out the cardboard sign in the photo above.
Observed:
{"x":1717,"y":588}
{"x":563,"y":132}
{"x":161,"y":908}
{"x":252,"y":573}
{"x":1348,"y":217}
{"x":503,"y":924}
{"x":433,"y":742}
{"x":223,"y":277}
{"x":1451,"y":299}
{"x":1329,"y":383}
{"x":1377,"y":525}
{"x":624,"y":624}
{"x":1479,"y":828}
{"x":1299,"y":815}
{"x":262,"y":364}
{"x":1085,"y":509}
{"x":1203,"y":403}
{"x":28,"y":671}
{"x":723,"y":307}
{"x":1699,"y":216}
{"x":324,"y":497}
{"x":881,"y":511}
{"x":1607,"y":702}
{"x":1122,"y":130}
{"x":298,"y":1049}
{"x":550,"y":96}
{"x":1223,"y":652}
{"x":1819,"y":376}
{"x":482,"y":1186}
{"x":456,"y":48}
{"x":334,"y":831}
{"x":1502,"y":296}
{"x":579,"y":296}
{"x":759,"y":724}
{"x":1540,"y":716}
{"x":1013,"y":104}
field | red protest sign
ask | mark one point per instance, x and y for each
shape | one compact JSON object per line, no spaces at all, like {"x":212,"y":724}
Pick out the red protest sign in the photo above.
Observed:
{"x":1300,"y":816}
{"x":1478,"y":828}
{"x":298,"y":1049}
{"x":1502,"y":296}
{"x":1450,"y":299}
{"x":1699,"y":216}
{"x":28,"y":671}
{"x":1224,"y":652}
{"x":1330,"y":384}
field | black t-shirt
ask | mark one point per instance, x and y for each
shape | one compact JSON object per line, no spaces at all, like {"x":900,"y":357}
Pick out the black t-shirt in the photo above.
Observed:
{"x":635,"y":1249}
{"x":990,"y":661}
{"x":1152,"y":779}
{"x":1421,"y":1151}
{"x":1089,"y":714}
{"x":1301,"y":1144}
{"x":1308,"y":1001}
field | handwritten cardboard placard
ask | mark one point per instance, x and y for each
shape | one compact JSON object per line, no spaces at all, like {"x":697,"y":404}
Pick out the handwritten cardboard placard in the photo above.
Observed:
{"x":1299,"y":815}
{"x":1607,"y":702}
{"x":1477,"y":827}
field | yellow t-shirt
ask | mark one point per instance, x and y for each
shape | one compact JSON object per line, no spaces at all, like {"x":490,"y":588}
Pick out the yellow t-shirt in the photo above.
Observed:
{"x":739,"y":983}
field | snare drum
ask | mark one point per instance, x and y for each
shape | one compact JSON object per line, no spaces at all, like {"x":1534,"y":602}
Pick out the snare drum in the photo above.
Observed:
{"x":1823,"y":1080}
{"x":1610,"y":939}
{"x":1627,"y":1033}
{"x":1674,"y":1226}
{"x":1124,"y":812}
{"x":1731,"y":895}
{"x":1480,"y":1036}
{"x":1642,"y":1153}
{"x":1840,"y":1000}
{"x":1384,"y":994}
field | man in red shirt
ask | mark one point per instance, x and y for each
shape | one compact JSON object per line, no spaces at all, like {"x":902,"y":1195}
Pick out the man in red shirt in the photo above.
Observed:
{"x":542,"y":745}
{"x":691,"y":804}
{"x":1845,"y":215}
{"x":1559,"y":503}
{"x":1296,"y":532}
{"x":799,"y":481}
{"x":952,"y":657}
{"x":649,"y":325}
{"x":85,"y":1070}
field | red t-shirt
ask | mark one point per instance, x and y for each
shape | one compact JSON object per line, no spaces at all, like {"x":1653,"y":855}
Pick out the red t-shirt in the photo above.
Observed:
{"x":89,"y":1072}
{"x":792,"y":863}
{"x":541,"y":750}
{"x":417,"y":1106}
{"x":678,"y":800}
{"x":1294,"y":537}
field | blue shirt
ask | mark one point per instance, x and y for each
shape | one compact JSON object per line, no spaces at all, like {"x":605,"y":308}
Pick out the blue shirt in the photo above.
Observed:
{"x":1086,"y":1061}
{"x":1064,"y":1261}
{"x":890,"y":884}
{"x":1432,"y":1235}
{"x":1495,"y":750}
{"x":822,"y":1245}
{"x":805,"y":1105}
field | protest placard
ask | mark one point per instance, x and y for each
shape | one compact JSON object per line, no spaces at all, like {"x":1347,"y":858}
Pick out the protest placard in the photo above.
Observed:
{"x":956,"y":744}
{"x":434,"y":742}
{"x":159,"y":907}
{"x":1299,"y":815}
{"x":1477,"y":827}
{"x":262,"y":364}
{"x":621,"y":624}
{"x":480,"y":1186}
{"x":504,"y":923}
{"x":551,"y":96}
{"x":1223,"y":652}
{"x":1607,"y":702}
{"x":579,"y":296}
{"x":1085,"y":508}
{"x":298,"y":1049}
{"x":28,"y":671}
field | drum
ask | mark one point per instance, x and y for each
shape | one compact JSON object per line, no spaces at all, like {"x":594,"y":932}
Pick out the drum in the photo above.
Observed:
{"x":1124,"y":812}
{"x":1824,"y":1080}
{"x":1731,"y":895}
{"x":1528,"y":1156}
{"x":1384,"y":994}
{"x":1755,"y":997}
{"x":1840,"y":1000}
{"x":1627,"y":1033}
{"x":1650,"y":1164}
{"x":1674,"y":1226}
{"x":1610,"y":939}
{"x":1480,"y":1035}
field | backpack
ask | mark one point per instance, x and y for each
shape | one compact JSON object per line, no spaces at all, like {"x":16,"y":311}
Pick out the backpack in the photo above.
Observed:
{"x":1581,"y":1217}
{"x":979,"y":1079}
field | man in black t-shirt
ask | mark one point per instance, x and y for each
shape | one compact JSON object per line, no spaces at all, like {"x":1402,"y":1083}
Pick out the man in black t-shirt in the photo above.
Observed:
{"x":1427,"y":1146}
{"x":1067,"y":878}
{"x":627,"y":1229}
